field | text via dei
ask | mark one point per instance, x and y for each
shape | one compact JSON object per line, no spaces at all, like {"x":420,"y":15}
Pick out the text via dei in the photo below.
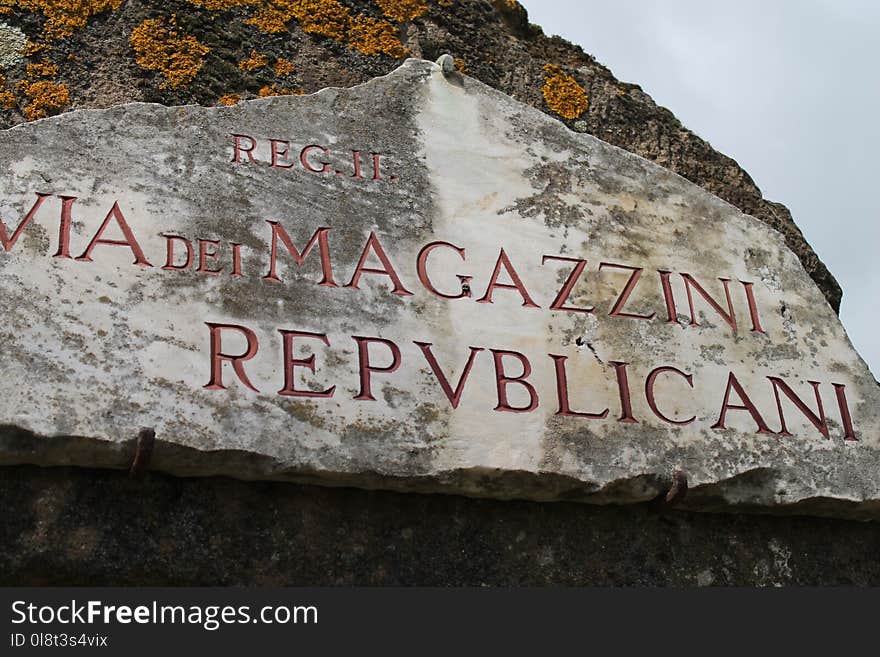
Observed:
{"x":494,"y":281}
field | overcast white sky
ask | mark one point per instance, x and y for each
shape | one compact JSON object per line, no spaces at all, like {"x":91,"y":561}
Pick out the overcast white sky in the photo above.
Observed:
{"x":788,"y":88}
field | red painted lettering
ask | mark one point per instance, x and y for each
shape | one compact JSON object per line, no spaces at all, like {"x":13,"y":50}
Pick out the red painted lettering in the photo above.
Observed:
{"x":617,"y":310}
{"x":562,"y":392}
{"x":817,"y":421}
{"x":236,"y":259}
{"x":849,"y":432}
{"x":502,"y":380}
{"x":668,"y":297}
{"x":422,"y":270}
{"x":649,"y":392}
{"x":64,"y":228}
{"x":517,"y":284}
{"x":237,"y":148}
{"x":129,"y":241}
{"x":454,"y":396}
{"x":388,"y":270}
{"x":626,"y":413}
{"x":356,"y":156}
{"x":169,"y":247}
{"x":304,"y":159}
{"x":291,"y":363}
{"x":376,"y":175}
{"x":366,"y":368}
{"x":279,"y":149}
{"x":753,"y":307}
{"x":7,"y":241}
{"x":747,"y":405}
{"x":565,"y":292}
{"x":319,"y":236}
{"x":729,"y":316}
{"x":205,"y":255}
{"x":217,"y":355}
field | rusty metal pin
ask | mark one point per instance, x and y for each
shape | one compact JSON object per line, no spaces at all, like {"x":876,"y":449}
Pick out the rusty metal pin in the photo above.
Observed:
{"x":679,"y":488}
{"x":143,"y":452}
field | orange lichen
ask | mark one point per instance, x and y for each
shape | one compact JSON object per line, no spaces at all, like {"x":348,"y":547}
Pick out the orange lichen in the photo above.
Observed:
{"x":270,"y":20}
{"x":43,"y":69}
{"x":403,"y":10}
{"x":325,"y":17}
{"x":331,"y":19}
{"x":64,"y":17}
{"x":216,"y":5}
{"x":229,"y":99}
{"x":7,"y":100}
{"x":32,"y":48}
{"x":563,"y":94}
{"x":373,"y":36}
{"x":45,"y":96}
{"x":255,"y":61}
{"x":283,"y":67}
{"x":460,"y":66}
{"x":272,"y":90}
{"x":161,"y":46}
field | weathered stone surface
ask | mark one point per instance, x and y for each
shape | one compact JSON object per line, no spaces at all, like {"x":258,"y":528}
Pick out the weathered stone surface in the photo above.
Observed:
{"x":96,"y":347}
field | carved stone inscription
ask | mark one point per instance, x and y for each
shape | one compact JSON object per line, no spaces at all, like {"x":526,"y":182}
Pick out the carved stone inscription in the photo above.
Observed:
{"x":415,"y":284}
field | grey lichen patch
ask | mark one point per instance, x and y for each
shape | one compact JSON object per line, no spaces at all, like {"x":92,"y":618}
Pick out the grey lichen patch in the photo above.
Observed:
{"x":431,"y":418}
{"x":712,"y":353}
{"x":307,"y":412}
{"x":381,"y":446}
{"x":580,"y":329}
{"x":12,"y":45}
{"x":36,"y":240}
{"x":396,"y":397}
{"x":554,"y":200}
{"x":778,"y":352}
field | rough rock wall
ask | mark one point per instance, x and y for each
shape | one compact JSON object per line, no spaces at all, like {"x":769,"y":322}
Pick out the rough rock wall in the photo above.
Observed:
{"x":58,"y":56}
{"x":89,"y":527}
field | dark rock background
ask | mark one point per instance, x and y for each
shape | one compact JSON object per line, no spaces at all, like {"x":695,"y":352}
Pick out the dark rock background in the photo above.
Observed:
{"x":89,"y":527}
{"x":70,"y":526}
